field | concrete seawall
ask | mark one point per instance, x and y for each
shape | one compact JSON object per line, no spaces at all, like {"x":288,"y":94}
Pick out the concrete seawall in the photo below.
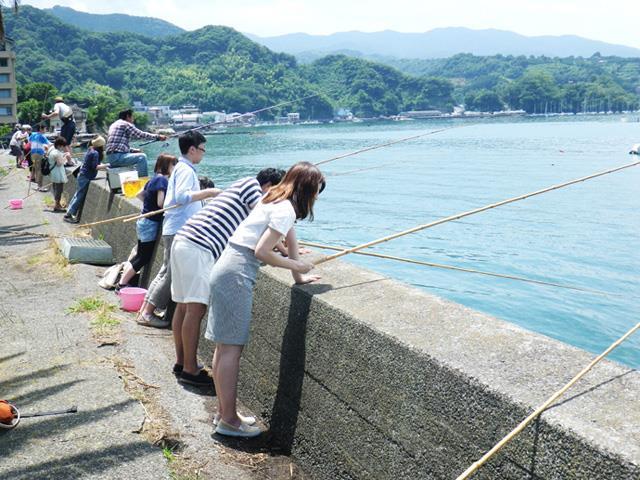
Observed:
{"x":360,"y":376}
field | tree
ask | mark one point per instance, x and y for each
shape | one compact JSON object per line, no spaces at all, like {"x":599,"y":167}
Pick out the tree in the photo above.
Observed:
{"x":29,"y":111}
{"x":484,"y":101}
{"x":14,"y":6}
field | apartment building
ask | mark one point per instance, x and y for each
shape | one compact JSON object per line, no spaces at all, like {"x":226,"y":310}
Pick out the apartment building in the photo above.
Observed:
{"x":8,"y":93}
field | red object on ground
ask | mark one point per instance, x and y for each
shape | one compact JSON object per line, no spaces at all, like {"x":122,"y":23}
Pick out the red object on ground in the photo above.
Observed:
{"x":6,"y":413}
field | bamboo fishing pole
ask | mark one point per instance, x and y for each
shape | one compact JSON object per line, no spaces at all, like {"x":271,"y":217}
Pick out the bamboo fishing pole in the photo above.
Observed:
{"x":358,"y":170}
{"x":108,"y":220}
{"x":374,"y":147}
{"x":213,"y":124}
{"x":470,"y":212}
{"x":25,"y":233}
{"x":476,"y":465}
{"x":37,"y":190}
{"x":460,"y":269}
{"x":155,"y":212}
{"x":387,"y":144}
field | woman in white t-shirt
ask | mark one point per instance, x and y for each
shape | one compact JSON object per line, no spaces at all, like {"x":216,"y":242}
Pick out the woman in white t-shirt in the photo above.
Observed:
{"x":234,"y":275}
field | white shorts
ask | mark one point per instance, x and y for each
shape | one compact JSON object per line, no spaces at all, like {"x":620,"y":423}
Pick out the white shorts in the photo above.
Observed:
{"x":191,"y":266}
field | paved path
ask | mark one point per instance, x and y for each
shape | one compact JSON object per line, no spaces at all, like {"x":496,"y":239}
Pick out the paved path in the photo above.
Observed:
{"x":129,"y":403}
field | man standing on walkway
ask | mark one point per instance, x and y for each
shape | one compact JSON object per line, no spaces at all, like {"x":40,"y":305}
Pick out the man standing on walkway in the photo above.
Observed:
{"x":65,"y":114}
{"x":183,"y":190}
{"x":119,"y":154}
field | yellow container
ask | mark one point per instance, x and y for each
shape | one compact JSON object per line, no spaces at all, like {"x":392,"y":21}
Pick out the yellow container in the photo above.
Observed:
{"x":130,"y":188}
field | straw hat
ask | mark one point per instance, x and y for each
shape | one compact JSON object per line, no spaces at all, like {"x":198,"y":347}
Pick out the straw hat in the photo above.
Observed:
{"x":99,"y":141}
{"x":58,"y":99}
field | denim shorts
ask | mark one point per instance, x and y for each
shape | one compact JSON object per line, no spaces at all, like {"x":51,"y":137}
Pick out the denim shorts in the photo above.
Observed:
{"x":147,"y":230}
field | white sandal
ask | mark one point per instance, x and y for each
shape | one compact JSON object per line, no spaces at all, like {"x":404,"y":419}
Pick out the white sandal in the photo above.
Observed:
{"x":244,"y":430}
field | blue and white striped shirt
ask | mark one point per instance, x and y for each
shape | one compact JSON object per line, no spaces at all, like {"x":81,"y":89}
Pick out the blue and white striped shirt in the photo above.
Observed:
{"x":212,"y":226}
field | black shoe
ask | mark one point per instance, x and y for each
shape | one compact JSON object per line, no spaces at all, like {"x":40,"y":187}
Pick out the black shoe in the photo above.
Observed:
{"x":177,"y":369}
{"x":202,"y":379}
{"x":70,"y":219}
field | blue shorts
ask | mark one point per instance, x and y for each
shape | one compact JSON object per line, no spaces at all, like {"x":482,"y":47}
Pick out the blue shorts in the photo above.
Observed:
{"x":147,"y":230}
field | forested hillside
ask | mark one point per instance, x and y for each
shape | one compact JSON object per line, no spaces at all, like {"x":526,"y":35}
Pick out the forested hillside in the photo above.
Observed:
{"x":218,"y":68}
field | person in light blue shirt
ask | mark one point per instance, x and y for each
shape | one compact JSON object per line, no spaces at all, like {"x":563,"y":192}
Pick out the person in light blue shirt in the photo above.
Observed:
{"x":39,"y":146}
{"x":183,"y":190}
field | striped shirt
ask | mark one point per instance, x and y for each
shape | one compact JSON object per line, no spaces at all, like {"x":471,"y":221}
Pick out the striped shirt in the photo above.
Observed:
{"x":212,"y":226}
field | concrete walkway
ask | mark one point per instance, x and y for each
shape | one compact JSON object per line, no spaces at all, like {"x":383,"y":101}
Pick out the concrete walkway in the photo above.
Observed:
{"x":134,"y":420}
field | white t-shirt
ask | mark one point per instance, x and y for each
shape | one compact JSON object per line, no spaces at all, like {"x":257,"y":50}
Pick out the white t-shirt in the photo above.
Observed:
{"x":63,"y":110}
{"x":280,"y":216}
{"x":18,"y":138}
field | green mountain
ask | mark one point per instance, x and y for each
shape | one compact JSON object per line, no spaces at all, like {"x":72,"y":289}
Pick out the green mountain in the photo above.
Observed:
{"x":217,"y":68}
{"x":213,"y":68}
{"x":115,"y":22}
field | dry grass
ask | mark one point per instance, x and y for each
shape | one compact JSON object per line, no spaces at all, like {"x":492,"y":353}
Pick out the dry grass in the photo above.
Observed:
{"x":51,"y":259}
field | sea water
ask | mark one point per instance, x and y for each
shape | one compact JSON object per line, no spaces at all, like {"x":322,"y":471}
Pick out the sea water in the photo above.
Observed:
{"x":586,"y":235}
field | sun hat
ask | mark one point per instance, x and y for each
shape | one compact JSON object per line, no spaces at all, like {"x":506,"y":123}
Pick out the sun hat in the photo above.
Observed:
{"x":58,"y":99}
{"x":26,"y":127}
{"x":99,"y":141}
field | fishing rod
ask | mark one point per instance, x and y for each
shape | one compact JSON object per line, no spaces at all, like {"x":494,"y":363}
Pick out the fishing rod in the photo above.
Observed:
{"x":470,"y":212}
{"x":220,"y":122}
{"x":44,"y":102}
{"x":387,"y":144}
{"x":367,"y":149}
{"x":476,"y":465}
{"x":349,"y":172}
{"x":37,"y":190}
{"x":461,"y":269}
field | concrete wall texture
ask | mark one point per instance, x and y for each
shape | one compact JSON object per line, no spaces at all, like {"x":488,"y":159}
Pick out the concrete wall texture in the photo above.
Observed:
{"x":359,"y":376}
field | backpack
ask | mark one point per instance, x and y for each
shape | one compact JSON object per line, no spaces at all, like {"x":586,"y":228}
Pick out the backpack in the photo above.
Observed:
{"x":45,"y":166}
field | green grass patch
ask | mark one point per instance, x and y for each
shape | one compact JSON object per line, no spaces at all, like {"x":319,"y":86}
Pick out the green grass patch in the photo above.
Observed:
{"x":91,"y":304}
{"x":48,"y":201}
{"x":104,"y":322}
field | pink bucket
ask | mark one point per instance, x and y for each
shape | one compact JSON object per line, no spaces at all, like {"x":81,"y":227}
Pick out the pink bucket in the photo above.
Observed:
{"x":15,"y":203}
{"x":131,"y":298}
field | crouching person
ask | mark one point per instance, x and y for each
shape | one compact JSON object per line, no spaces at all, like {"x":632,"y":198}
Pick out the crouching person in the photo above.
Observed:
{"x":195,"y":249}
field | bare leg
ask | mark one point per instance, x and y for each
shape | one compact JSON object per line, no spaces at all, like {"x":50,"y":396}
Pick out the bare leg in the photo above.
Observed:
{"x":214,"y":372}
{"x":127,"y":273}
{"x":178,"y":320}
{"x":148,"y":308}
{"x":225,"y":375}
{"x":191,"y":335}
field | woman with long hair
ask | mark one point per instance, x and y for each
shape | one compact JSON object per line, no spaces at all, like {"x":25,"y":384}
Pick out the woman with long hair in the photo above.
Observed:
{"x":152,"y":197}
{"x":234,"y":275}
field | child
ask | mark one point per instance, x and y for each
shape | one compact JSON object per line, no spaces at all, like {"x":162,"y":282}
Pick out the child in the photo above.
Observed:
{"x":152,"y":197}
{"x":234,"y":274}
{"x":39,"y":146}
{"x":58,"y":157}
{"x":88,"y":172}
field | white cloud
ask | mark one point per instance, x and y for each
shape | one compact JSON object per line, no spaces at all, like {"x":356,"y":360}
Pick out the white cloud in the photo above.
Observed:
{"x":613,"y":21}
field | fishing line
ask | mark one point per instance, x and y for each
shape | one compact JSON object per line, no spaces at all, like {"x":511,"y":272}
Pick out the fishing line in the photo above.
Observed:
{"x":470,"y":212}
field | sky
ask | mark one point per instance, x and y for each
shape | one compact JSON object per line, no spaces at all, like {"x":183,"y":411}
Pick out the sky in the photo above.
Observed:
{"x":613,"y":21}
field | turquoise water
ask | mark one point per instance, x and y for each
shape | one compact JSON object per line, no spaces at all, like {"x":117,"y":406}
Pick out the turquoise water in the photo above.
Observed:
{"x":585,"y":235}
